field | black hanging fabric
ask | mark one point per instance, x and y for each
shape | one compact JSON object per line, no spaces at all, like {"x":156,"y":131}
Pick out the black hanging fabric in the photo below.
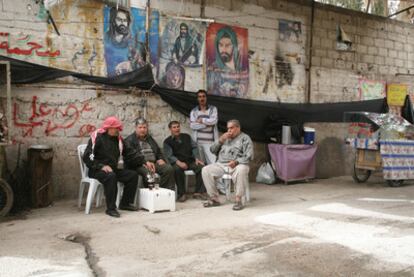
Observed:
{"x":28,"y":73}
{"x":259,"y":119}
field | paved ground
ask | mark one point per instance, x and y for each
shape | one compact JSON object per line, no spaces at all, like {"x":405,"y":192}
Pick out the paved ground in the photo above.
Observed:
{"x":330,"y":227}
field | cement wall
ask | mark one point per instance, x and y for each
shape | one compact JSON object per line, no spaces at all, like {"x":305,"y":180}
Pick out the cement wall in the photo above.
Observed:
{"x":68,"y":109}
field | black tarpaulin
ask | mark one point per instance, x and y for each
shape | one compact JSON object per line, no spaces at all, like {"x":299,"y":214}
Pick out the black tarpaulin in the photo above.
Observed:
{"x":259,"y":119}
{"x":28,"y":73}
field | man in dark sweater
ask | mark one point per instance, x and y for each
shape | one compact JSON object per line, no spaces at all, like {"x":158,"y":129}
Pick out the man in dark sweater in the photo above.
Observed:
{"x":182,"y":152}
{"x":101,"y":156}
{"x":154,"y":161}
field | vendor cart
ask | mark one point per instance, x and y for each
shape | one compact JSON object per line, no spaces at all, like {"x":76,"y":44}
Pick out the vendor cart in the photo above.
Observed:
{"x":382,"y":142}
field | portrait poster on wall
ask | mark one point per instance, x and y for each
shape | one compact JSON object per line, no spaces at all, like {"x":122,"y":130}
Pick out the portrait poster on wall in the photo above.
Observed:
{"x":227,"y":60}
{"x":290,"y":30}
{"x":371,"y":89}
{"x":182,"y":45}
{"x":124,"y":39}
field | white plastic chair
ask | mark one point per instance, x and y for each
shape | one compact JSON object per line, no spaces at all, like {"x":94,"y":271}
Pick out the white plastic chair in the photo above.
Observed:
{"x":95,"y":187}
{"x":188,"y":173}
{"x":226,"y":177}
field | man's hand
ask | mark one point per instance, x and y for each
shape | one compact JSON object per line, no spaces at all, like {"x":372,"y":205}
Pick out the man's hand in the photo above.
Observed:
{"x":181,"y":165}
{"x":150,"y":166}
{"x":199,"y":120}
{"x":106,"y":168}
{"x":197,"y":162}
{"x":224,"y":137}
{"x":233,"y":164}
{"x":160,"y":162}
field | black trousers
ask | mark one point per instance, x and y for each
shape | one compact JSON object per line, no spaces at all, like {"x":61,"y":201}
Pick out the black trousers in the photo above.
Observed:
{"x":109,"y":180}
{"x":180,"y":178}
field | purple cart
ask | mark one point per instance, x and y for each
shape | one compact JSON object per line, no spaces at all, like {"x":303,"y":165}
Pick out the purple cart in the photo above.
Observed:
{"x":293,"y":162}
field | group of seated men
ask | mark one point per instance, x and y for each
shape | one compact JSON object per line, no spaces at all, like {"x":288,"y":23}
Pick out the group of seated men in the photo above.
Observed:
{"x":231,"y":152}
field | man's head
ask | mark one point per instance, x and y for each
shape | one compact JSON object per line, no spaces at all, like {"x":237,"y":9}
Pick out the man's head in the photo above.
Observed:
{"x":183,"y":30}
{"x":226,"y":47}
{"x":233,"y":128}
{"x":174,"y":127}
{"x":202,"y":97}
{"x":141,"y":127}
{"x":112,"y":125}
{"x":120,"y":21}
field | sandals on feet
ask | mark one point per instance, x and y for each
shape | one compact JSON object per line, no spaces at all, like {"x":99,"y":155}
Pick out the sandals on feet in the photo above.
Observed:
{"x":238,"y":206}
{"x":211,"y":203}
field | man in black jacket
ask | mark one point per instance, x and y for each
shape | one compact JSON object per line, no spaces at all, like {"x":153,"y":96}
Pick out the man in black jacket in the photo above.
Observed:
{"x":101,"y":157}
{"x":154,"y":161}
{"x":182,"y":152}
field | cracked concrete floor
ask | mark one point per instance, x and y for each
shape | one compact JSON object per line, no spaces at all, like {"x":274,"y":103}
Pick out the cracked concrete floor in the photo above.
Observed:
{"x":330,"y":227}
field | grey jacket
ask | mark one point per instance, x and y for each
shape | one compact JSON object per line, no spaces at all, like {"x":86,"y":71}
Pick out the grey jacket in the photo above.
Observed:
{"x":239,"y":149}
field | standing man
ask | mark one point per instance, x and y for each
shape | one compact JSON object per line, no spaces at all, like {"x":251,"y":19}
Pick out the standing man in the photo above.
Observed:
{"x":154,"y":161}
{"x":185,"y":50}
{"x":101,"y":157}
{"x":235,"y":150}
{"x":203,"y":122}
{"x":182,"y":152}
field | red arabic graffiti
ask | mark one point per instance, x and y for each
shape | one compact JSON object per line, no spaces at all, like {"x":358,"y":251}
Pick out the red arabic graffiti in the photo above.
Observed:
{"x":34,"y":47}
{"x":86,"y":130}
{"x":52,"y":118}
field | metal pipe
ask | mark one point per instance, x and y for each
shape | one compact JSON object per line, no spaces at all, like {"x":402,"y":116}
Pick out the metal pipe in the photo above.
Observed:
{"x":308,"y":95}
{"x":403,"y":10}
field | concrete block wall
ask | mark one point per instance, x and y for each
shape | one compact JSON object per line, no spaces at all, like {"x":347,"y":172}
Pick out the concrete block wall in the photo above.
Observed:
{"x":381,"y":49}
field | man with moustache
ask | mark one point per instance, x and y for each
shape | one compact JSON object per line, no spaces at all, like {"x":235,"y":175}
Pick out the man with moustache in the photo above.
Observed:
{"x":234,"y":150}
{"x":185,"y":50}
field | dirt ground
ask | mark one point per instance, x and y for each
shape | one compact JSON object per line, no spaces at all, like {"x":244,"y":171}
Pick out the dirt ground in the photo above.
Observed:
{"x":330,"y":227}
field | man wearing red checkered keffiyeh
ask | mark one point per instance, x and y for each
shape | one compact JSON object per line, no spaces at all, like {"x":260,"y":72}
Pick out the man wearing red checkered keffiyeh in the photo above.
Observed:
{"x":102,"y":155}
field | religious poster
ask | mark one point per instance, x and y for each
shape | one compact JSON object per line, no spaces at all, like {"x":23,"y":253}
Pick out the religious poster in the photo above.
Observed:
{"x":290,"y":30}
{"x":182,"y":44}
{"x":124,"y":39}
{"x":227,"y":60}
{"x":371,"y":89}
{"x":396,"y":94}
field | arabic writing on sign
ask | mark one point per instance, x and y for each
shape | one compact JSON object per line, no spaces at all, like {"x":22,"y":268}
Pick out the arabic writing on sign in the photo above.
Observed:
{"x":52,"y":118}
{"x":24,"y":47}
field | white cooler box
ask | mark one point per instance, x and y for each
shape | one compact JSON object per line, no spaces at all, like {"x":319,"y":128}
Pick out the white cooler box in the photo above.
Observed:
{"x":157,"y":200}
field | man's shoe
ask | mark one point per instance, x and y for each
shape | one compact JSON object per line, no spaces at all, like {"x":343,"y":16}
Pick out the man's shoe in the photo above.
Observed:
{"x":128,"y":207}
{"x":238,"y":206}
{"x":182,"y":198}
{"x":113,"y":213}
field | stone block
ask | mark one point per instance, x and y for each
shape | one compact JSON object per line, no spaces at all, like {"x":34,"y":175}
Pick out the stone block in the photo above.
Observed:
{"x":379,"y":42}
{"x":362,"y":49}
{"x":379,"y":60}
{"x":389,"y":44}
{"x":402,"y":55}
{"x":327,"y":43}
{"x":325,"y":62}
{"x":367,"y":41}
{"x":392,"y":54}
{"x":383,"y":69}
{"x":383,"y":52}
{"x":372,"y":50}
{"x":368,"y":58}
{"x":398,"y":46}
{"x":399,"y":63}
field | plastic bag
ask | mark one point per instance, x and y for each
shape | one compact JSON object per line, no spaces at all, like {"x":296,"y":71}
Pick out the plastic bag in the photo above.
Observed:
{"x":265,"y":174}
